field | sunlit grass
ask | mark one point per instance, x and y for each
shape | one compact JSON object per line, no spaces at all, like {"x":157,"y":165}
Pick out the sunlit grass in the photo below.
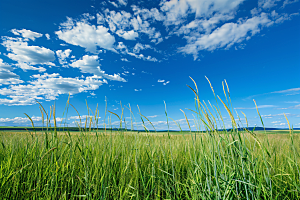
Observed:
{"x":105,"y":164}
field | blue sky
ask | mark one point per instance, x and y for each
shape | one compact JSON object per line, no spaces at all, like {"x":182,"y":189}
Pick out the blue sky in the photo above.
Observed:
{"x":143,"y":53}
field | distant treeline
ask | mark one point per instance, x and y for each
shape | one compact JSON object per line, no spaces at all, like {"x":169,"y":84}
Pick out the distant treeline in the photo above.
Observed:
{"x":74,"y":129}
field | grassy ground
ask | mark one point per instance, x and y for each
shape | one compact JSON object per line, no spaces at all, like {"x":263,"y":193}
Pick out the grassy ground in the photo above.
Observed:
{"x":144,"y":166}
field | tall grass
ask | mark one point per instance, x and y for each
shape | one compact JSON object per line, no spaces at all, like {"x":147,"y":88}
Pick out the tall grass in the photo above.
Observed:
{"x":122,"y":164}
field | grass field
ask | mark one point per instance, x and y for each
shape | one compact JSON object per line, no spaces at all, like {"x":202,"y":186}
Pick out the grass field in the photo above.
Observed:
{"x":142,"y":165}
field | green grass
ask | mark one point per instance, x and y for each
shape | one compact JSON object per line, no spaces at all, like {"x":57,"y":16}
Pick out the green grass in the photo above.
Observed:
{"x":132,"y":165}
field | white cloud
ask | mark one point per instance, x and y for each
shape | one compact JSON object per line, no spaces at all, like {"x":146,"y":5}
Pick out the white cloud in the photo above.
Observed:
{"x":177,"y":10}
{"x":127,"y":35}
{"x":163,"y":82}
{"x":286,"y":2}
{"x":81,"y":117}
{"x":166,"y":83}
{"x":123,"y":2}
{"x":138,"y":47}
{"x":124,"y":50}
{"x":6,"y":76}
{"x":100,"y":18}
{"x":267,"y":4}
{"x":292,"y":102}
{"x":123,"y":21}
{"x":27,"y":34}
{"x":27,"y":55}
{"x":280,"y":18}
{"x":114,"y":4}
{"x":85,"y":35}
{"x":90,"y":64}
{"x":9,"y":78}
{"x":20,"y":120}
{"x":4,"y":66}
{"x":47,"y":87}
{"x":141,"y":56}
{"x":146,"y":14}
{"x":275,"y":122}
{"x":86,"y":17}
{"x":280,"y":108}
{"x":261,"y":106}
{"x":125,"y":60}
{"x":295,"y":107}
{"x":117,"y":20}
{"x":281,"y":124}
{"x":137,"y":90}
{"x":226,"y":35}
{"x":276,"y":115}
{"x":62,"y":55}
{"x":47,"y":36}
{"x":204,"y":25}
{"x":153,"y":116}
{"x":288,"y":91}
{"x":25,"y":67}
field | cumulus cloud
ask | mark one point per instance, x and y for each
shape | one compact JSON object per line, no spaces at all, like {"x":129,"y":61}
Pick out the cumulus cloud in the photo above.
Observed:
{"x":138,"y":47}
{"x":127,"y":35}
{"x":204,"y":25}
{"x":47,"y":36}
{"x":226,"y":35}
{"x":123,"y":2}
{"x":85,"y":35}
{"x":28,"y":55}
{"x":47,"y":87}
{"x":100,"y":18}
{"x":62,"y":55}
{"x":6,"y":76}
{"x":120,"y":22}
{"x":9,"y":78}
{"x":27,"y":34}
{"x":146,"y":14}
{"x":177,"y":10}
{"x":91,"y":65}
{"x":117,"y":20}
{"x":5,"y":66}
{"x":267,"y":4}
{"x":124,"y":50}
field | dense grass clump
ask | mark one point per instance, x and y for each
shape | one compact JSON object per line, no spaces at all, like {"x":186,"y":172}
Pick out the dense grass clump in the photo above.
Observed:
{"x":231,"y":164}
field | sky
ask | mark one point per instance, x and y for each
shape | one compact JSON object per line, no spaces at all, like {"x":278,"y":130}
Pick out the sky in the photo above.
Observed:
{"x":143,"y":53}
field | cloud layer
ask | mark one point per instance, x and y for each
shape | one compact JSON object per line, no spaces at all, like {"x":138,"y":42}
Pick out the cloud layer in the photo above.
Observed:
{"x":126,"y":32}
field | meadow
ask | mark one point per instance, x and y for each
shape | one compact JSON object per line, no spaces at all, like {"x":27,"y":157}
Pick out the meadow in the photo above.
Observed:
{"x":122,"y":164}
